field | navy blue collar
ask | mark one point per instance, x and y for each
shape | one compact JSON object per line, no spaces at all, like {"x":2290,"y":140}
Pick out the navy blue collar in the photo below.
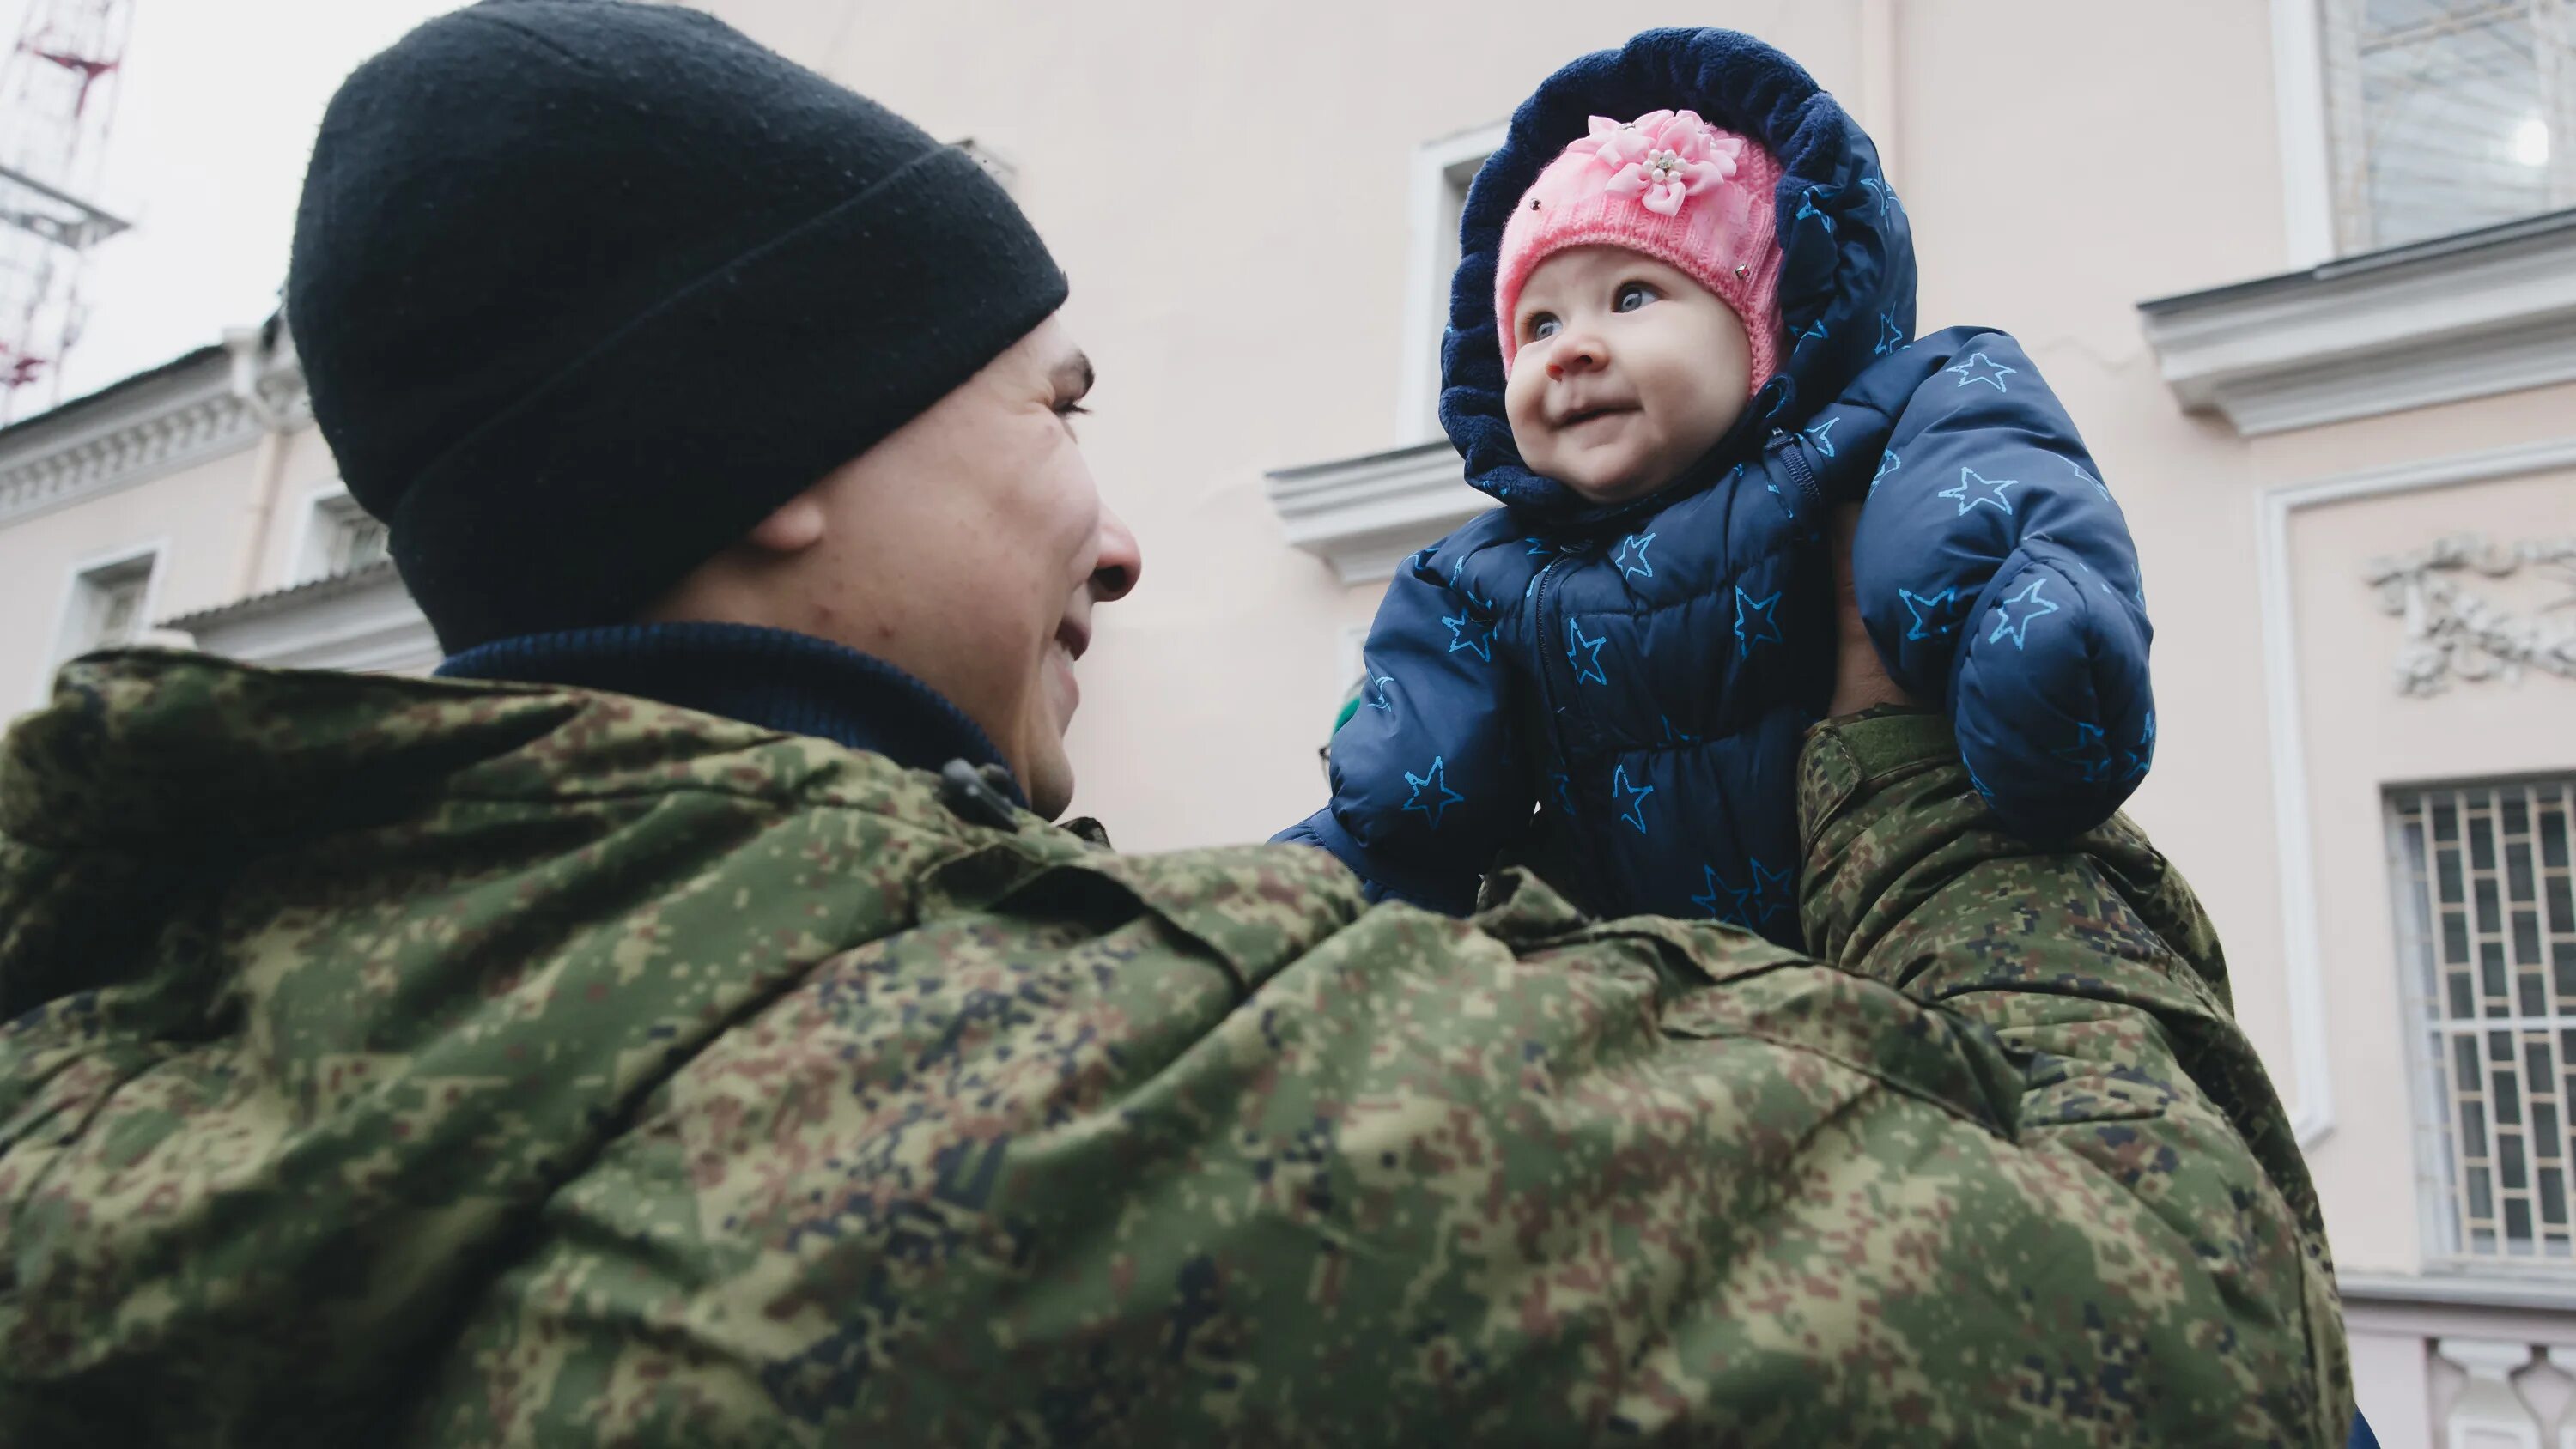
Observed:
{"x":766,"y":677}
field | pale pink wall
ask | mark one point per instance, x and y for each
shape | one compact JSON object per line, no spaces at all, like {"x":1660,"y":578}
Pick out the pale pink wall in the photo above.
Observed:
{"x":2362,"y":736}
{"x":198,"y":515}
{"x":305,"y":468}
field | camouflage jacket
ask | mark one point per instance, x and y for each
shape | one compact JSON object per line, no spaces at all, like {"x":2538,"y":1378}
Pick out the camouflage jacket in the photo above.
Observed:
{"x":423,"y":1063}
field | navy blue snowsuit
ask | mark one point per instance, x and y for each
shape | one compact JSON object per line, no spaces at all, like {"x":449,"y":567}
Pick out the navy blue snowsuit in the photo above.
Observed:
{"x":1618,"y":691}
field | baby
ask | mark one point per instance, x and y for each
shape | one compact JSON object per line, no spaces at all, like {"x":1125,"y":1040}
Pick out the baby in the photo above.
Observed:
{"x":1674,"y":346}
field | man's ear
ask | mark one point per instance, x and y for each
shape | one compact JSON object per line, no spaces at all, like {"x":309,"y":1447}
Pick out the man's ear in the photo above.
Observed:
{"x":794,"y":527}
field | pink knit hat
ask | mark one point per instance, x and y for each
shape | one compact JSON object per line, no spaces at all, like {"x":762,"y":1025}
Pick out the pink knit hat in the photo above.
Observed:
{"x":1668,"y":185}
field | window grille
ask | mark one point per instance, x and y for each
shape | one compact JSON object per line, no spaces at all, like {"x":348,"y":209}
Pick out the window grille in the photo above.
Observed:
{"x":2487,"y":913}
{"x":339,"y":538}
{"x":361,"y":541}
{"x":108,"y":605}
{"x":2447,"y":115}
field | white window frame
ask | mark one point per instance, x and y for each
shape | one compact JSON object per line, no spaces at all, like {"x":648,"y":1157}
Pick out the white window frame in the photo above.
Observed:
{"x":320,"y":525}
{"x":2445,"y":1236}
{"x":2308,"y":162}
{"x":2307,"y":157}
{"x":73,"y":627}
{"x":1442,"y":171}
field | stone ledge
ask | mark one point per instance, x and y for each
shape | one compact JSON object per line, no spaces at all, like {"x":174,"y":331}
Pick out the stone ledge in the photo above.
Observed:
{"x":2483,"y":312}
{"x":1367,"y":514}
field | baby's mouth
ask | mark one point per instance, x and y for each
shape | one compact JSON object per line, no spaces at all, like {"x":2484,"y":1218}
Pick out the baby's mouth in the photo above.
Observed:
{"x":1580,"y":416}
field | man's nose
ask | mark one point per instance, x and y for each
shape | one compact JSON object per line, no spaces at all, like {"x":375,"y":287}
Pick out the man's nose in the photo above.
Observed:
{"x":1121,"y":561}
{"x":1575,"y":352}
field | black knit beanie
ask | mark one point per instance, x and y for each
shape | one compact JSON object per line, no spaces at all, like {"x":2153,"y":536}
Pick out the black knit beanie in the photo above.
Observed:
{"x":585,"y":288}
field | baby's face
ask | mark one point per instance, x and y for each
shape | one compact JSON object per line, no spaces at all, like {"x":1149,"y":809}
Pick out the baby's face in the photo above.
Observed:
{"x":1628,"y":372}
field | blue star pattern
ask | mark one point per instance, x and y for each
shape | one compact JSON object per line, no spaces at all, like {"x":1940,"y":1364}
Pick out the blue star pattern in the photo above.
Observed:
{"x":1812,"y":332}
{"x":1934,"y":614}
{"x":1822,"y":436}
{"x":1584,"y":669}
{"x":1468,"y":631}
{"x":1888,"y":463}
{"x":1635,"y":795}
{"x":1974,"y":489}
{"x":1885,"y":193}
{"x":1890,"y":336}
{"x":1564,"y":791}
{"x":1441,"y":796}
{"x":1807,"y":208}
{"x":1676,"y":737}
{"x":2097,"y":483}
{"x":1712,"y":888}
{"x":1758,"y":613}
{"x":2019,"y":628}
{"x":1631,"y":557}
{"x":1748,"y":905}
{"x":2143,"y":751}
{"x":2090,"y":753}
{"x":1538,"y":547}
{"x":1978,"y":367}
{"x":1382,"y":701}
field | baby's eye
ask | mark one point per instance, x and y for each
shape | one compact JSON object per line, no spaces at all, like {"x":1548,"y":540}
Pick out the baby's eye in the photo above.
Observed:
{"x":1633,"y":295}
{"x":1542,"y":326}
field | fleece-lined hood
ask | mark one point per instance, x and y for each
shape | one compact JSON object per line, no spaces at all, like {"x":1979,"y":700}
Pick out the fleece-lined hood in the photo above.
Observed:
{"x":1847,"y":266}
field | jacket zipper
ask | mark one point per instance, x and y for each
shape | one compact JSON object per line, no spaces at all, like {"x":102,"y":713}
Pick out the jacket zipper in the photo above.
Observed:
{"x":1556,"y":695}
{"x":1793,"y":456}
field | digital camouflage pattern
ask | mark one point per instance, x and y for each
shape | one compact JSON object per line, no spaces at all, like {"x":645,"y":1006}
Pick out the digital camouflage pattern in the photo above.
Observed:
{"x":412,"y":1062}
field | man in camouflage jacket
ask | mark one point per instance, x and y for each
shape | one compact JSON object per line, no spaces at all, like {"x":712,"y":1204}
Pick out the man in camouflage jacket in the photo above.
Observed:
{"x":714,"y":1055}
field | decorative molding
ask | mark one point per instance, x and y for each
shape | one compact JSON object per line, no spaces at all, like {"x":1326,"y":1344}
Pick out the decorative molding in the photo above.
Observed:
{"x":2465,"y":316}
{"x":128,"y":434}
{"x":1367,"y":514}
{"x":2303,"y":971}
{"x":2452,"y":631}
{"x":203,"y":405}
{"x":2534,"y":1292}
{"x":363,"y":620}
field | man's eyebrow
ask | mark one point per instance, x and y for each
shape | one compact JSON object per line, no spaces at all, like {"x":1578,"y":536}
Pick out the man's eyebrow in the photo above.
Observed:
{"x":1073,"y":376}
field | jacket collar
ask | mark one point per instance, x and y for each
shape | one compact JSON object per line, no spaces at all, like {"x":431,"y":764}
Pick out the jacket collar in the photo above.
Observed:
{"x":770,"y":678}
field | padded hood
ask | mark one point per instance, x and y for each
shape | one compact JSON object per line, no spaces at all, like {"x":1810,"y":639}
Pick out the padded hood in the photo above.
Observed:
{"x":1847,"y":269}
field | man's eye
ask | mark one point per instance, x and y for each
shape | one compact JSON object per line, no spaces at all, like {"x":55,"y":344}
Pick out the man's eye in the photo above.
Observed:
{"x":1542,"y":327}
{"x":1633,"y":295}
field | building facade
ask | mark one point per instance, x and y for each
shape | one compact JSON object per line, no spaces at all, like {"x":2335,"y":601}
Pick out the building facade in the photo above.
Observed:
{"x":2304,"y":271}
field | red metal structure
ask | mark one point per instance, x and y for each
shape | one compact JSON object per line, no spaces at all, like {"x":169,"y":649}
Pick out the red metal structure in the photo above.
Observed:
{"x":58,"y":90}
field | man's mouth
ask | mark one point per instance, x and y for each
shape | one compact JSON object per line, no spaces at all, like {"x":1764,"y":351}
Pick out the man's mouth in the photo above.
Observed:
{"x":1074,"y":639}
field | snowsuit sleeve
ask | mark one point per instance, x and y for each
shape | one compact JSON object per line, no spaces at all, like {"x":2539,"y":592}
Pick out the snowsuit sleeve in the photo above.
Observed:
{"x":1427,"y":786}
{"x":1998,"y":577}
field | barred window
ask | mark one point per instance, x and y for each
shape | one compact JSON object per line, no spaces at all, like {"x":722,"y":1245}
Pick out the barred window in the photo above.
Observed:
{"x":2447,"y":115}
{"x":2487,"y":913}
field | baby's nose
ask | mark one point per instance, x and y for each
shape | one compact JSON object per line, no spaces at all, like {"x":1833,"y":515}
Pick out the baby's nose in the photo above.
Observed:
{"x":1573,"y":354}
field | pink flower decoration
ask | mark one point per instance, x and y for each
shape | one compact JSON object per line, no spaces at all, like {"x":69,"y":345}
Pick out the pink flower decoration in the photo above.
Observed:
{"x":1663,"y":157}
{"x":1622,"y":143}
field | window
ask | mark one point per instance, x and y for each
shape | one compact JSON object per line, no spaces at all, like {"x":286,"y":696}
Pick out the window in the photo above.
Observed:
{"x":110,"y":605}
{"x":1442,"y":171}
{"x":339,"y":537}
{"x":2447,"y":115}
{"x":2487,"y":920}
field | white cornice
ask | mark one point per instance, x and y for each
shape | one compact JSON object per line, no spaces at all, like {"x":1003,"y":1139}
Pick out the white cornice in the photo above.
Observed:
{"x":2467,"y":316}
{"x":363,"y":620}
{"x":150,"y":427}
{"x":1364,"y":515}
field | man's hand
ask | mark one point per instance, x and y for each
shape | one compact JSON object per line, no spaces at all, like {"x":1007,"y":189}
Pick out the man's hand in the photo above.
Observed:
{"x":1860,"y":676}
